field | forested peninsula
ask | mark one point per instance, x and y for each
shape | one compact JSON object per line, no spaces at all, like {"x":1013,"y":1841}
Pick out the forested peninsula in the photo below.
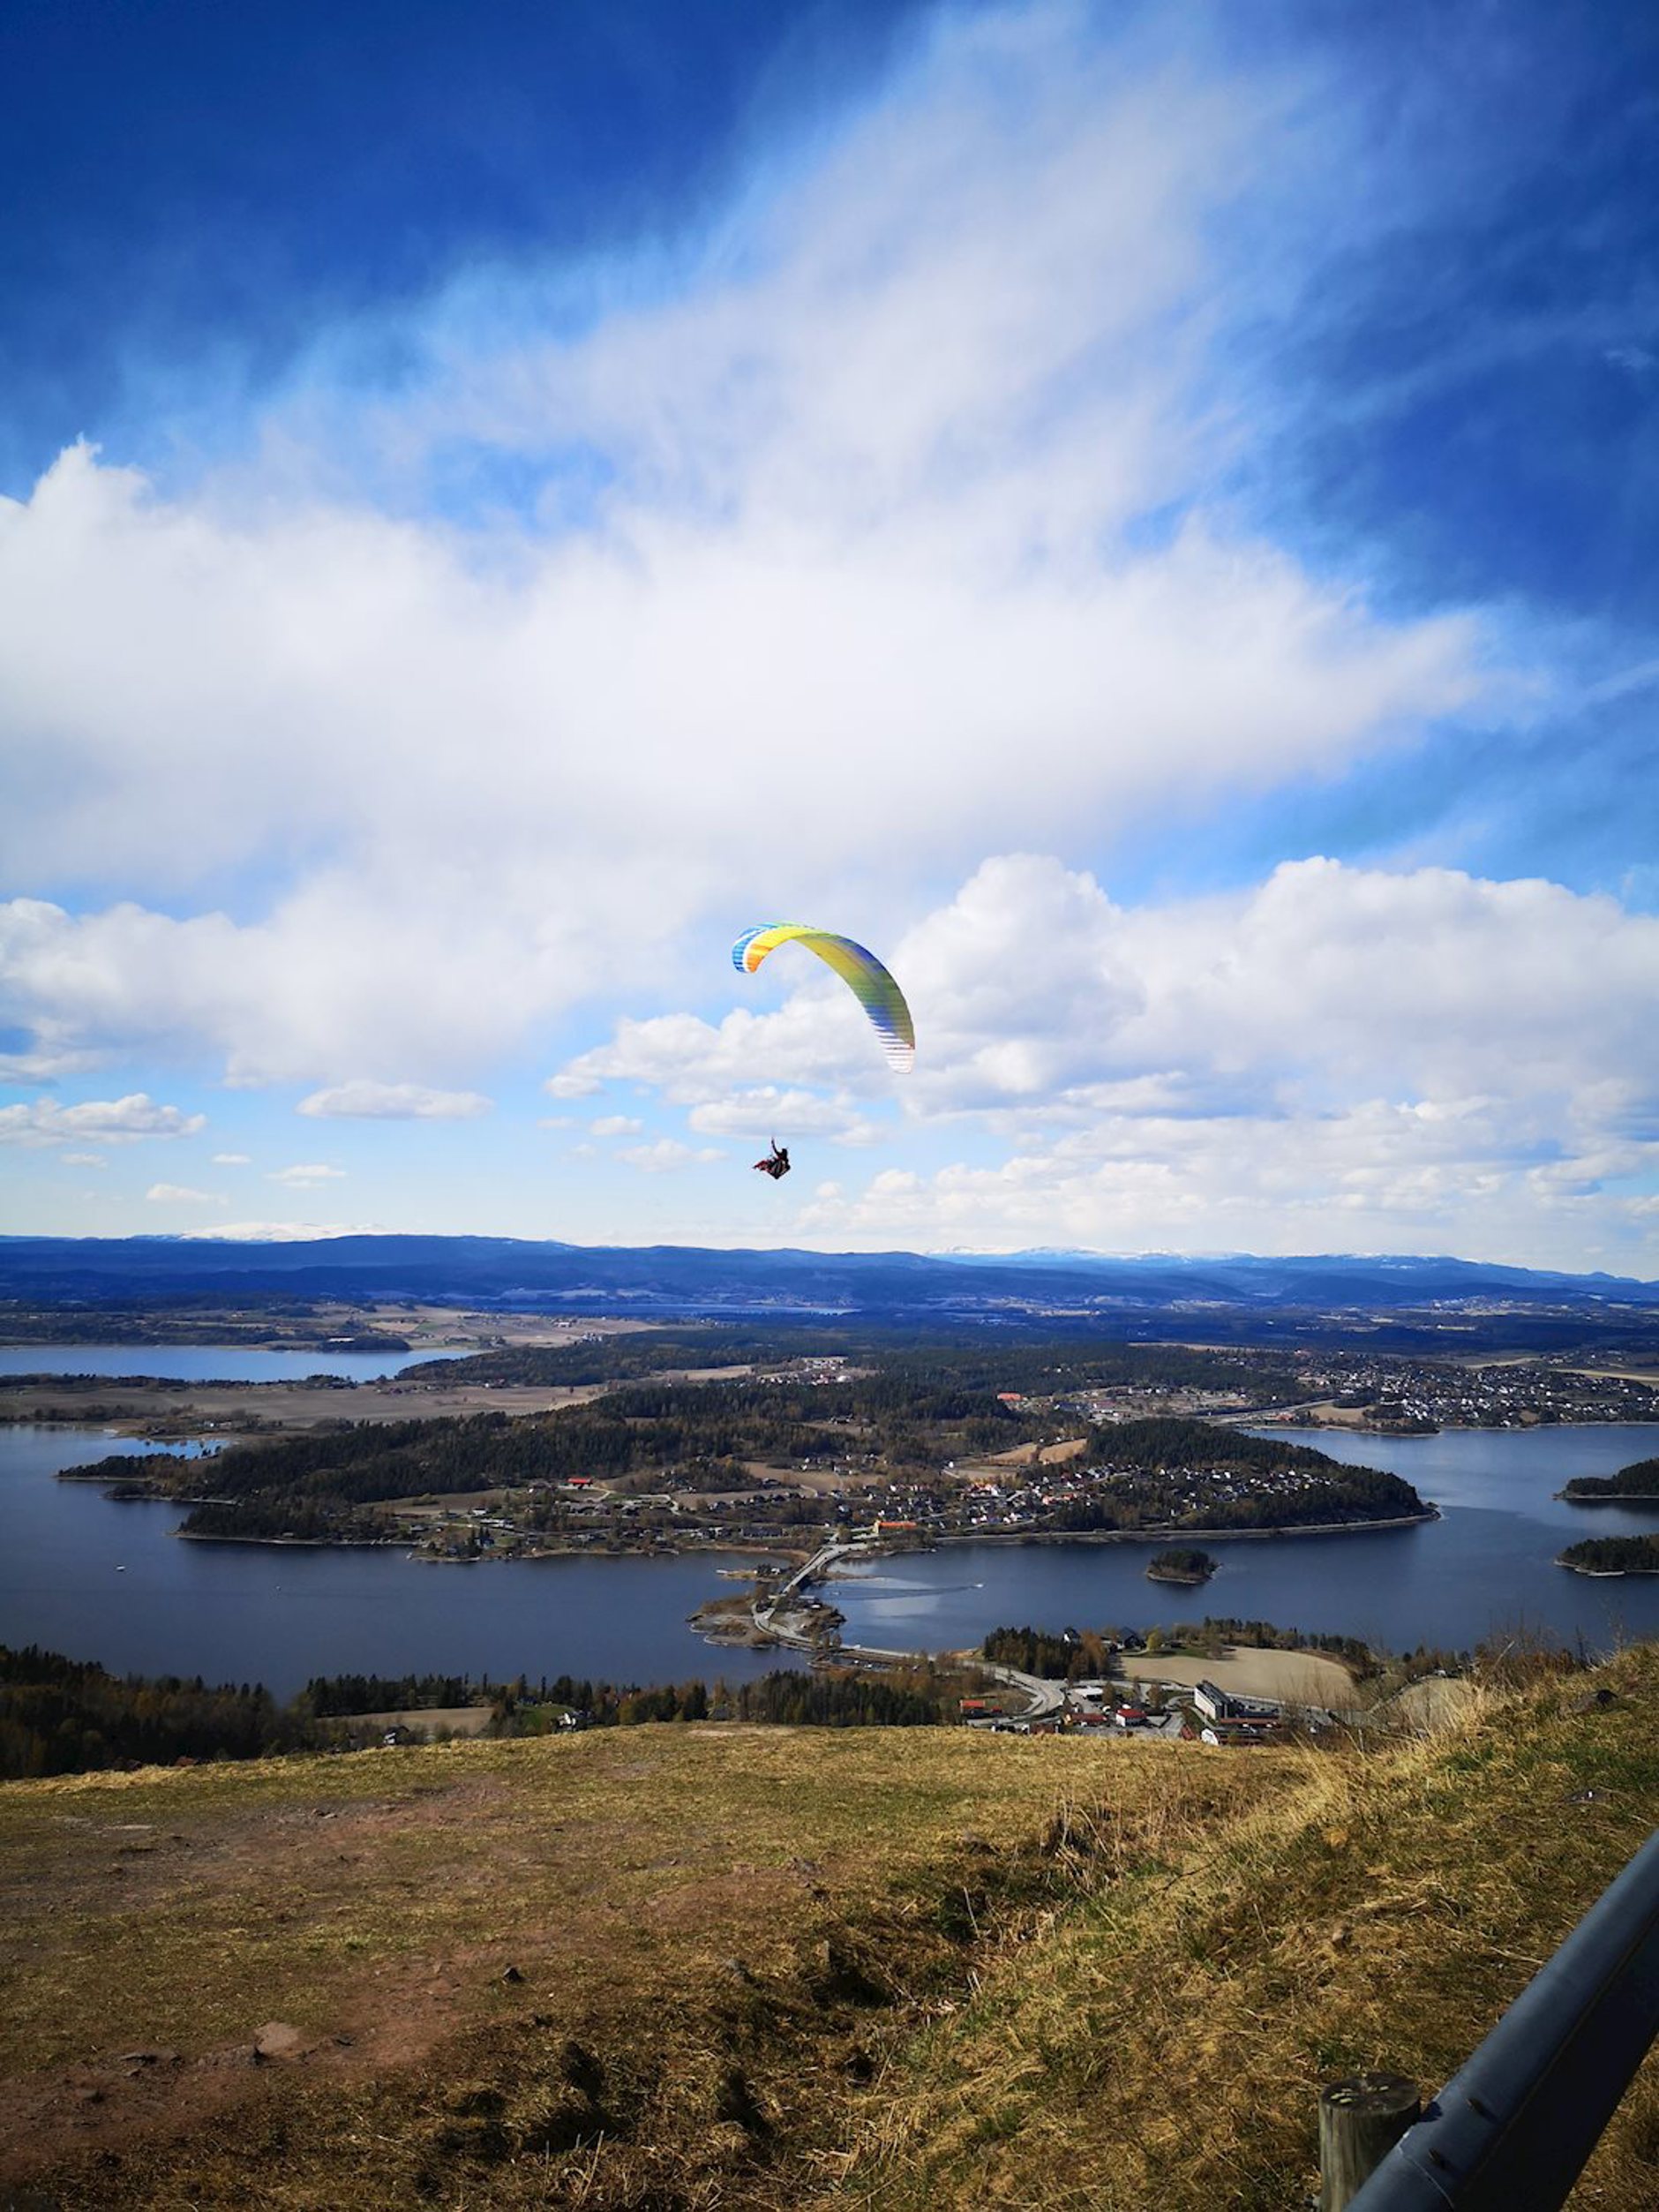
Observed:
{"x":1612,"y":1556}
{"x":1639,"y":1479}
{"x":919,"y":1446}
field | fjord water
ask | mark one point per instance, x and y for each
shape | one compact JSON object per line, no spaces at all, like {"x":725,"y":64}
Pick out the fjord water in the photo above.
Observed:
{"x":1487,"y":1566}
{"x":83,"y":1575}
{"x":208,"y":1362}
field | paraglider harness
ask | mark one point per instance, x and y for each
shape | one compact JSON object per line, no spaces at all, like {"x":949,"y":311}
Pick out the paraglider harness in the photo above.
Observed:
{"x":777,"y":1162}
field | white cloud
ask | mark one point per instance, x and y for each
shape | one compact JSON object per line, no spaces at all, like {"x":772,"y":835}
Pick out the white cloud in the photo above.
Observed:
{"x":44,"y":1064}
{"x":106,"y":1121}
{"x":181,"y":1194}
{"x":83,"y":1159}
{"x":667,"y":1157}
{"x":867,"y":568}
{"x":283,"y":1232}
{"x":306,"y":1175}
{"x":394,"y":1101}
{"x":230,"y":1160}
{"x":616,"y":1125}
{"x":1336,"y":1054}
{"x":762,"y":1111}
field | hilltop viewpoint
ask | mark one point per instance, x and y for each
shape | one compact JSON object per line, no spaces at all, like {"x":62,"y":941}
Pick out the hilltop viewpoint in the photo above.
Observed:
{"x":710,"y":1966}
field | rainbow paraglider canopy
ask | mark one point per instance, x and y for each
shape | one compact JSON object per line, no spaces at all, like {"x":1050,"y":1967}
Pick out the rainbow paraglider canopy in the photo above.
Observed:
{"x":863,"y":973}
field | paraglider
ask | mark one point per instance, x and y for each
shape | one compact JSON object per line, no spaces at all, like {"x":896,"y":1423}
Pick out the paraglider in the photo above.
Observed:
{"x":868,"y":981}
{"x":777,"y":1162}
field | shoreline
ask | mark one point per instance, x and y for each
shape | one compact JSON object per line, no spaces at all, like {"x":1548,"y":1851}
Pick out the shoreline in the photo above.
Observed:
{"x":1162,"y":1536}
{"x":782,"y":1552}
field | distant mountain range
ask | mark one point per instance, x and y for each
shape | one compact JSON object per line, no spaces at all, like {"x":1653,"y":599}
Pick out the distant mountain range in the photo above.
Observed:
{"x":1428,"y":1301}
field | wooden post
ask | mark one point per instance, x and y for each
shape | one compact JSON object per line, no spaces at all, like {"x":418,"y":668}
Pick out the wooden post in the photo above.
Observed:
{"x":1361,"y":2119}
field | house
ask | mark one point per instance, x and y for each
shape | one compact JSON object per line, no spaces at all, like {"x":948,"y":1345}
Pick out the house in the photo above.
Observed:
{"x":1214,"y":1703}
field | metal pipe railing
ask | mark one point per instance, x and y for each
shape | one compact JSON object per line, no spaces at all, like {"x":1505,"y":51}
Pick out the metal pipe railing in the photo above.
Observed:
{"x":1515,"y":2127}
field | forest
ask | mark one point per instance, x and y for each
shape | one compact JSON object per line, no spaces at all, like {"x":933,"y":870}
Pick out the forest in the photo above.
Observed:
{"x":1613,"y":1555}
{"x":1181,"y":1562}
{"x":919,"y":1696}
{"x":1086,"y":1655}
{"x":1639,"y":1479}
{"x":916,"y":1360}
{"x":63,"y":1715}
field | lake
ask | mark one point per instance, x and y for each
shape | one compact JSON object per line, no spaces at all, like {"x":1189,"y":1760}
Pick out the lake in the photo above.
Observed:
{"x":1486,"y":1566}
{"x":83,"y":1574}
{"x":208,"y":1362}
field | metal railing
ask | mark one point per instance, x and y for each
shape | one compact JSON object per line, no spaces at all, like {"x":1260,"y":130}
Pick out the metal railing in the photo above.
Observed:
{"x":1513,"y":2131}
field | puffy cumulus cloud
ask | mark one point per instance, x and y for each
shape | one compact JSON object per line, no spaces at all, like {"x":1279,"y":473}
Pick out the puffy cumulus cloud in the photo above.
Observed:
{"x":873,"y":489}
{"x":231,"y":1159}
{"x":104,"y":1121}
{"x":667,"y":1157}
{"x":181,"y":1194}
{"x":378,"y":966}
{"x":1335,"y":1057}
{"x":819,"y":1037}
{"x":616,"y":1125}
{"x":1033,"y":988}
{"x":306,"y":1175}
{"x":368,"y":1100}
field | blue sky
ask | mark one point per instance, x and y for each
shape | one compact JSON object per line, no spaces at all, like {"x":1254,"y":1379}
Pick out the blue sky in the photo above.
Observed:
{"x":1143,"y":515}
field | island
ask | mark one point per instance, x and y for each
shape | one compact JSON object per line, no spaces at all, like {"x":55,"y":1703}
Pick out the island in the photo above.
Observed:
{"x":1640,"y":1480}
{"x":1612,"y":1556}
{"x":1184,"y":1565}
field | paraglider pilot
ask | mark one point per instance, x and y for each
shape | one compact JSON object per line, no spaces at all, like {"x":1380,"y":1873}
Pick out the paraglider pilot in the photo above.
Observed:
{"x":775,"y":1162}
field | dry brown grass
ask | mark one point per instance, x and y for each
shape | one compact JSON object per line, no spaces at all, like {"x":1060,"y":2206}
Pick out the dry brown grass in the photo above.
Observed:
{"x":1374,"y":1912}
{"x":720,"y":1931}
{"x":768,"y":1967}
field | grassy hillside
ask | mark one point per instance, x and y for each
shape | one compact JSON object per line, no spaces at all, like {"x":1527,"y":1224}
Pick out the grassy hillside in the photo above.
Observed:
{"x":758,"y":1967}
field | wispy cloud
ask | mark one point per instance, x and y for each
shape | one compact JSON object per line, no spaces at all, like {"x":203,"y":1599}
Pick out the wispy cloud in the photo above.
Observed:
{"x":262,"y":1232}
{"x":306,"y":1175}
{"x":667,"y":1157}
{"x":106,"y":1121}
{"x":366,"y":1101}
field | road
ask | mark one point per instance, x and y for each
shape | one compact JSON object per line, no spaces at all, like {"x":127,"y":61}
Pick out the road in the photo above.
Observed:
{"x":1042,"y":1698}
